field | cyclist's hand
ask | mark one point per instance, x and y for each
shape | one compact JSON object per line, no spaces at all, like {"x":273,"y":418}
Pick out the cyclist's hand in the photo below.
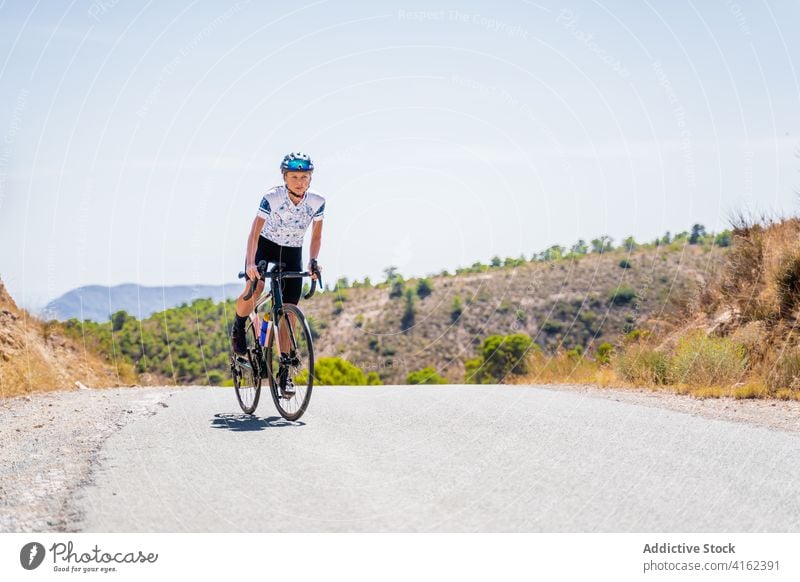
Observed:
{"x":311,"y":269}
{"x":252,"y":271}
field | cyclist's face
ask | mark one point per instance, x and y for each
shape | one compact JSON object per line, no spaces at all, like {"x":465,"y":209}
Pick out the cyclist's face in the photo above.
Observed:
{"x":298,"y":182}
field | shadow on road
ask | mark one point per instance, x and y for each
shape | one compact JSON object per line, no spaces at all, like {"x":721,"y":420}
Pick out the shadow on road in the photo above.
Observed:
{"x":248,"y":422}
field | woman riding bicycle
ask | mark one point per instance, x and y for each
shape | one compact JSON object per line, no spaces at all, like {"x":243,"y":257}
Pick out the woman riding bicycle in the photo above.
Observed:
{"x":276,"y":235}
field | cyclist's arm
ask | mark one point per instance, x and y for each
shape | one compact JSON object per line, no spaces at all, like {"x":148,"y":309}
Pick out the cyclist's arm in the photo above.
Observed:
{"x":316,"y":238}
{"x":316,"y":242}
{"x":252,"y":241}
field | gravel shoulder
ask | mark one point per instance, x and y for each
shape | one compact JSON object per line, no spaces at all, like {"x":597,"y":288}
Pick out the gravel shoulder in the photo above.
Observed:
{"x":781,"y":415}
{"x":52,"y":442}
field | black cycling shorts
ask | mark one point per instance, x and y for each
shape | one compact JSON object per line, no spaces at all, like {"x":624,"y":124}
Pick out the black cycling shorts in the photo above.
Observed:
{"x":291,"y":288}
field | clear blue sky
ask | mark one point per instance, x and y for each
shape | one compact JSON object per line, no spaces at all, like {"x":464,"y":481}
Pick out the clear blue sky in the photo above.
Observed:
{"x":136,"y":139}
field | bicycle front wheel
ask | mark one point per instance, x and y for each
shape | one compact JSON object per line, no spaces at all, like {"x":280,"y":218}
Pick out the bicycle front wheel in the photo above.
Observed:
{"x":246,"y":372}
{"x":290,"y":363}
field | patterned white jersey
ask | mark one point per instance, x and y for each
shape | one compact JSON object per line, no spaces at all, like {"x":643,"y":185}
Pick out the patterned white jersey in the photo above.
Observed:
{"x":284,"y":223}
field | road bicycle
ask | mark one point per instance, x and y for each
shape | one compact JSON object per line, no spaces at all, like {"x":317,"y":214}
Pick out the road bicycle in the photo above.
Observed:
{"x":284,"y":353}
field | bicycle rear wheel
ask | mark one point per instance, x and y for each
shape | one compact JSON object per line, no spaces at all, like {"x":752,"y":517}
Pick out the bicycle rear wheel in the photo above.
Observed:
{"x":295,"y":369}
{"x":246,"y":371}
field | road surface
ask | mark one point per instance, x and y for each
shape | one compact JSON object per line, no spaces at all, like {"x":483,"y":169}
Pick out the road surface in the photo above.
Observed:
{"x":439,"y":459}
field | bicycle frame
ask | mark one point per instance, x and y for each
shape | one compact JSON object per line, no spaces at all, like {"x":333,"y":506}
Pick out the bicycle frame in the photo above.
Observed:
{"x":275,"y":276}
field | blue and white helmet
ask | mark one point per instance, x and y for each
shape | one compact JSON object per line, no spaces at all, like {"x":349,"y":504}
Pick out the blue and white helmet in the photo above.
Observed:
{"x":297,"y":162}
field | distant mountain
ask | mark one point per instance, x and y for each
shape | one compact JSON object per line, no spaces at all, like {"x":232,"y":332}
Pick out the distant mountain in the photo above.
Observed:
{"x":98,"y":302}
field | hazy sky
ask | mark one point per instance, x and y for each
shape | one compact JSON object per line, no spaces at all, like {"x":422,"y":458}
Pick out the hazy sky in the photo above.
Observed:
{"x":137,"y":138}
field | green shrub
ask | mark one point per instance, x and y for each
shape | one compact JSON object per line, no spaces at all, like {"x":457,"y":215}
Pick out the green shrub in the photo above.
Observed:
{"x":575,"y":353}
{"x":701,"y":360}
{"x":338,"y":306}
{"x":337,"y":372}
{"x":499,"y":357}
{"x":551,"y":326}
{"x":723,"y":239}
{"x":424,"y":288}
{"x":474,"y":372}
{"x":644,"y":365}
{"x":622,"y":296}
{"x":625,"y":264}
{"x":397,"y":288}
{"x":427,"y":375}
{"x":456,"y":309}
{"x":603,"y":353}
{"x":359,"y":320}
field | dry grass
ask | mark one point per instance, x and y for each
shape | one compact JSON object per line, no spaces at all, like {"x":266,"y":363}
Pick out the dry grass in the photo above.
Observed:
{"x":761,"y":279}
{"x":700,"y":361}
{"x":563,"y":367}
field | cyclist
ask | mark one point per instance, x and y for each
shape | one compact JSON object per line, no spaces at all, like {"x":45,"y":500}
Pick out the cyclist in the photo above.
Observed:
{"x":277,"y":233}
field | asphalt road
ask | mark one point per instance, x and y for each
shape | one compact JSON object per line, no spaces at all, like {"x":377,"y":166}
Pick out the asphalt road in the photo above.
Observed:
{"x":441,"y":458}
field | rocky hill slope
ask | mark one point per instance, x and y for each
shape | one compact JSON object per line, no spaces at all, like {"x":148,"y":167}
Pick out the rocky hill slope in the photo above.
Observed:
{"x":33,"y":358}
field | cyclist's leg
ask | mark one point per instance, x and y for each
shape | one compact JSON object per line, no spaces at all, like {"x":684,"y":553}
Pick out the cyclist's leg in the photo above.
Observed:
{"x":245,"y":307}
{"x":291,"y":289}
{"x":265,"y":251}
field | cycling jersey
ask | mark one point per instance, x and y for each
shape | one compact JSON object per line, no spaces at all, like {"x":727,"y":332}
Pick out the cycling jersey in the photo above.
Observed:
{"x":284,"y":223}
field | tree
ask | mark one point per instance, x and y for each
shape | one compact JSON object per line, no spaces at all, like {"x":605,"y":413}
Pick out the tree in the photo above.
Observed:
{"x":579,"y":248}
{"x":629,"y":244}
{"x":602,"y":244}
{"x":119,"y":318}
{"x":409,"y":311}
{"x":554,"y":253}
{"x":496,"y":261}
{"x":698,"y":233}
{"x":391,"y":273}
{"x":397,"y":288}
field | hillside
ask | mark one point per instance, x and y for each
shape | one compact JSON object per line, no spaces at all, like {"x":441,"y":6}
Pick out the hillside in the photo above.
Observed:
{"x":580,"y":301}
{"x":35,"y":357}
{"x":98,"y":302}
{"x":401,"y":326}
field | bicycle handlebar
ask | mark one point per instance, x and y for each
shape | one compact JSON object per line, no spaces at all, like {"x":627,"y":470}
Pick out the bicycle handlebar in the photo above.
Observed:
{"x":278,"y":274}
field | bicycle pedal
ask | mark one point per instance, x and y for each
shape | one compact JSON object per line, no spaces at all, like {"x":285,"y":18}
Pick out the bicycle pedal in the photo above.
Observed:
{"x":242,"y":362}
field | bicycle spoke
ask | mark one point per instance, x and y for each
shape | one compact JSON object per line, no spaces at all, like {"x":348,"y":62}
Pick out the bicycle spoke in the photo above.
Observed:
{"x":297,"y":369}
